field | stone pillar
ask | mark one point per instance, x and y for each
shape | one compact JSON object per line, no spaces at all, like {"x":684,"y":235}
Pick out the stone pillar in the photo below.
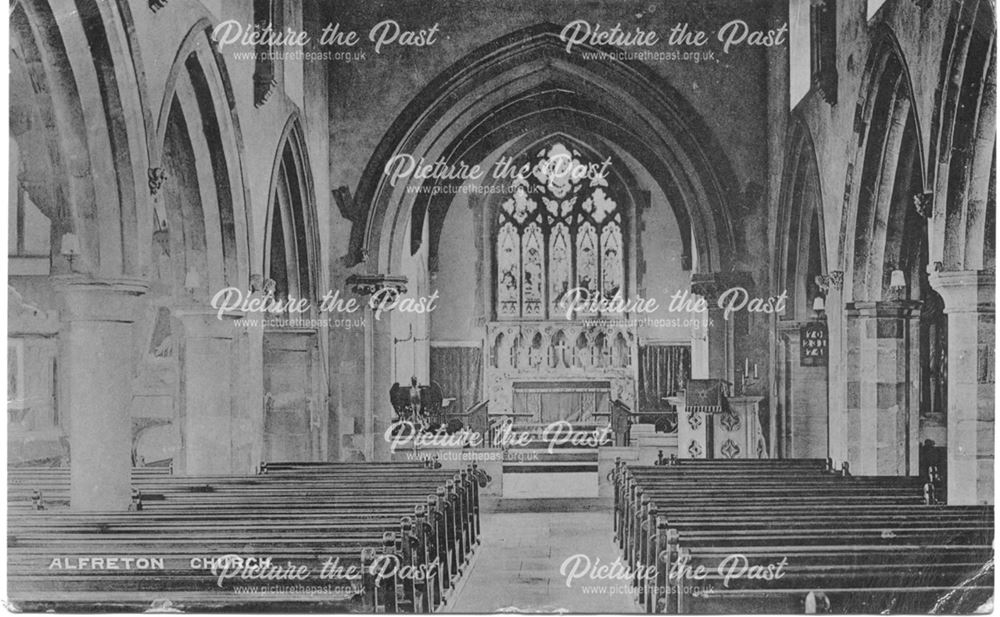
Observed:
{"x":720,"y":344}
{"x":712,"y":349}
{"x":804,"y":398}
{"x":380,"y":413}
{"x":699,"y":346}
{"x":209,"y":372}
{"x":836,"y":319}
{"x":882,"y":387}
{"x":970,"y":305}
{"x":96,"y":366}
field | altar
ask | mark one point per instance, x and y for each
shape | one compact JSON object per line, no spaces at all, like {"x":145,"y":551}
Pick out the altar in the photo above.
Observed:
{"x":551,"y":401}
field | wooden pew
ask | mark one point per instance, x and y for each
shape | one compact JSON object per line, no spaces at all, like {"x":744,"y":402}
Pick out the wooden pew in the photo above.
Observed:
{"x":48,"y":487}
{"x":420,"y":517}
{"x":857,"y":543}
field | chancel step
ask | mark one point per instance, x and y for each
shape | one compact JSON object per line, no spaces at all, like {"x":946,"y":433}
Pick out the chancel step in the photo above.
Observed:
{"x":541,"y":473}
{"x":543,"y":436}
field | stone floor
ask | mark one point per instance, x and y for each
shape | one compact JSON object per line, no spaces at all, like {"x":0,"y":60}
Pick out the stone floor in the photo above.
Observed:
{"x":524,"y":544}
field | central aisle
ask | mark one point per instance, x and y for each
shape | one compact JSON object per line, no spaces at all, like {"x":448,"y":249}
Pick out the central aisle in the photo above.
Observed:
{"x":524,"y":544}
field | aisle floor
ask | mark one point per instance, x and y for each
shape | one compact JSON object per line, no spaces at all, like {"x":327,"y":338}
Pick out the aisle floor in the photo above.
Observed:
{"x":524,"y":544}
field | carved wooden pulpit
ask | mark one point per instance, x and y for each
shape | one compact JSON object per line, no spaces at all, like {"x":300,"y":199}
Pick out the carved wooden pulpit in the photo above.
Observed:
{"x":713,"y":425}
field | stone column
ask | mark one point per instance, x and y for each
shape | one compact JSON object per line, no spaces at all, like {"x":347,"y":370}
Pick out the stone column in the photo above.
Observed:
{"x":209,"y":371}
{"x":805,"y":417}
{"x":970,"y":305}
{"x":380,"y":413}
{"x":836,"y":321}
{"x":882,"y":387}
{"x":712,"y":351}
{"x":96,"y":366}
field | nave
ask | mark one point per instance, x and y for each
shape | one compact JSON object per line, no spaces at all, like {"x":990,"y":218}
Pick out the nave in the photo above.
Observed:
{"x":785,"y":255}
{"x":525,"y":543}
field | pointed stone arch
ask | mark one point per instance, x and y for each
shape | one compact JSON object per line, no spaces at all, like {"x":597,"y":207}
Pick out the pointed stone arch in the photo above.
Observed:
{"x":199,"y":239}
{"x":801,"y":423}
{"x":962,"y":207}
{"x":887,"y":173}
{"x":963,"y":159}
{"x":83,"y":139}
{"x":295,"y":420}
{"x":198,"y":90}
{"x":800,"y":229}
{"x":492,"y":86}
{"x":85,"y":121}
{"x":883,"y":255}
{"x":291,"y":210}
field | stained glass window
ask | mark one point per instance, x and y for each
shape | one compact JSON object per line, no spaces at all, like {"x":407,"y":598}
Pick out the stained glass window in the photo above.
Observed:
{"x":560,"y":265}
{"x":532,"y":271}
{"x":561,"y":228}
{"x":509,"y":280}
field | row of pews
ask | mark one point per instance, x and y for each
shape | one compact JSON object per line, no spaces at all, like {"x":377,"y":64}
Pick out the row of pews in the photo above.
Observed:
{"x":794,"y":536}
{"x":338,"y":537}
{"x":40,"y":488}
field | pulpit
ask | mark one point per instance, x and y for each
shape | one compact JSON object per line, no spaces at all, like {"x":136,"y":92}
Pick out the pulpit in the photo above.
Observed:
{"x":713,"y":425}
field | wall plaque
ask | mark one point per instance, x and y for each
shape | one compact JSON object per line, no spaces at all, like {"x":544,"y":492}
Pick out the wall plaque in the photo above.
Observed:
{"x":814,"y":342}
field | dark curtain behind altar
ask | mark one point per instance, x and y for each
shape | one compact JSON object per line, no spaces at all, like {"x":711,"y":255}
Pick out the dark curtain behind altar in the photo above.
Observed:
{"x":663,"y":371}
{"x":458,"y":370}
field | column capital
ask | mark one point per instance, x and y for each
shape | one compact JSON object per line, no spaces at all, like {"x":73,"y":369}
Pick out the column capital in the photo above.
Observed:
{"x":966,"y":291}
{"x":90,"y":299}
{"x":832,"y":281}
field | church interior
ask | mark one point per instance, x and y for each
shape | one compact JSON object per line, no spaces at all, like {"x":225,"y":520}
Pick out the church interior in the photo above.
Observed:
{"x":459,"y":289}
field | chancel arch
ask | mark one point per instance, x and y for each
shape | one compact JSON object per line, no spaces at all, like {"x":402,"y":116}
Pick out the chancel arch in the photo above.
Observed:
{"x":293,"y":362}
{"x":468,"y":107}
{"x":801,"y":427}
{"x":513,"y":86}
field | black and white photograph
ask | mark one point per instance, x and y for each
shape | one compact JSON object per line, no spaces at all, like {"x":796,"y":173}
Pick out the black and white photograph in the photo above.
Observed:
{"x":501,"y":306}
